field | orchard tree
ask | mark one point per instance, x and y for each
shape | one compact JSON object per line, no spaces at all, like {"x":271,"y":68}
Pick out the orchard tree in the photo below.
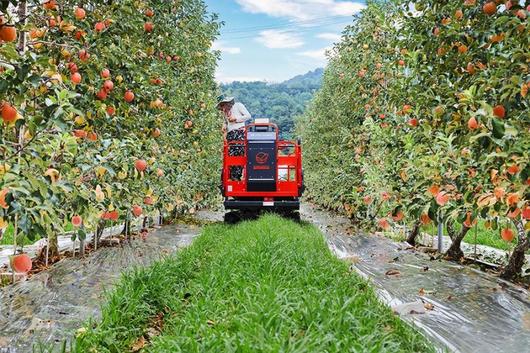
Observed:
{"x":423,"y":117}
{"x":89,"y":88}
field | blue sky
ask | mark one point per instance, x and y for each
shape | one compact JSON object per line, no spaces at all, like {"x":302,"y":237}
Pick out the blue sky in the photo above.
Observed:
{"x":274,"y":40}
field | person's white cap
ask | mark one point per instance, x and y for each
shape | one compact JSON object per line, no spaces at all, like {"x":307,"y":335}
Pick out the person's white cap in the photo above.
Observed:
{"x":223,"y":99}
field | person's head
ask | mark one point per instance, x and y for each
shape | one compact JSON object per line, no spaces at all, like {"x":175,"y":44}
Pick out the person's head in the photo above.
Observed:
{"x":225,"y":103}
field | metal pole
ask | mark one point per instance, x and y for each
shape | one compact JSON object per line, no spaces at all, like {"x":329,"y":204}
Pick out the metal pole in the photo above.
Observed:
{"x":47,"y":249}
{"x":96,"y":237}
{"x":127,"y":227}
{"x":440,"y":233}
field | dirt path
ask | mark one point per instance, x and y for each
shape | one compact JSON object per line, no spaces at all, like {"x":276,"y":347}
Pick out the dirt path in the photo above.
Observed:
{"x":471,"y":311}
{"x":51,"y":304}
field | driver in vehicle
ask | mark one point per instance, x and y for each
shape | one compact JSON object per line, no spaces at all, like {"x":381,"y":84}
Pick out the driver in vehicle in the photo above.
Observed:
{"x":235,"y":116}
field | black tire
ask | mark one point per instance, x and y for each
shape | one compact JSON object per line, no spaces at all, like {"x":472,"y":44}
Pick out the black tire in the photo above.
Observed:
{"x":291,"y":214}
{"x":295,"y":216}
{"x":232,"y":217}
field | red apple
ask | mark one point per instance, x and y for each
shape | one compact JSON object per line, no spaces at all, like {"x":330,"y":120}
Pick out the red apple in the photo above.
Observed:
{"x":21,"y":263}
{"x":137,"y":210}
{"x":140,"y":165}
{"x":77,"y":221}
{"x":128,"y":96}
{"x":108,"y":85}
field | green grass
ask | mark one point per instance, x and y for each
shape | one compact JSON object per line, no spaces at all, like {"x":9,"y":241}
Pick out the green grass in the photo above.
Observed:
{"x":484,"y":236}
{"x":265,"y":286}
{"x":7,"y":239}
{"x":489,"y":237}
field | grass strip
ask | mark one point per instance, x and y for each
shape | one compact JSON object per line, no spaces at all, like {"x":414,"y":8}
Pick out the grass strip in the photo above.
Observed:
{"x":269,"y":285}
{"x":484,"y":236}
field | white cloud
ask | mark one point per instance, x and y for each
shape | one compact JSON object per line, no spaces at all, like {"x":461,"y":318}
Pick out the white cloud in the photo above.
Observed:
{"x":221,"y":46}
{"x":345,"y":8}
{"x":276,"y":39}
{"x":329,"y":36}
{"x":318,"y":55}
{"x":301,"y":10}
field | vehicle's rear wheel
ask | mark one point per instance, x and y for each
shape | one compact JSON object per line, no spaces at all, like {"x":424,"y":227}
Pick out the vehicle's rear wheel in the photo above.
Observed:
{"x":232,"y":217}
{"x":293,"y":215}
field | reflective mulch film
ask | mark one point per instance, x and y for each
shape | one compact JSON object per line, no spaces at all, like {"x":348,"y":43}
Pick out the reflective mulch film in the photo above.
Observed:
{"x":459,"y":307}
{"x":50,"y":305}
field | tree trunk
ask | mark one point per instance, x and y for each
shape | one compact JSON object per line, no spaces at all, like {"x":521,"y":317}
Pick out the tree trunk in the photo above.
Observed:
{"x":22,"y":11}
{"x":411,"y":239}
{"x":53,"y":245}
{"x":95,"y":239}
{"x":454,"y":252}
{"x":81,"y":248}
{"x":126,"y":228}
{"x":517,"y":258}
{"x":174,"y":214}
{"x":98,"y":233}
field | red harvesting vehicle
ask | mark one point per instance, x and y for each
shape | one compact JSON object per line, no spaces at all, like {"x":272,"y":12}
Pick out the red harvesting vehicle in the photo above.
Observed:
{"x":262,"y":172}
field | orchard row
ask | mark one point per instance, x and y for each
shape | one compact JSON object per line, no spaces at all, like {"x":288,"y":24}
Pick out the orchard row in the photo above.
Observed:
{"x":424,"y":117}
{"x":107,"y":112}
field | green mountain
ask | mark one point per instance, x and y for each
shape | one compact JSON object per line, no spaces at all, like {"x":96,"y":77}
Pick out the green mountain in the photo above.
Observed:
{"x":281,"y":102}
{"x":312,"y":78}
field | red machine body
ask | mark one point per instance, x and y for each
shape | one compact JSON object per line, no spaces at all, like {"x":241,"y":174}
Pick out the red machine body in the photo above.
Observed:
{"x":268,"y":171}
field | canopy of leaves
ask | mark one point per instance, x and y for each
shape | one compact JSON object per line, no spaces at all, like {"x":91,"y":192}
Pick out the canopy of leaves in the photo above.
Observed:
{"x":77,"y":134}
{"x":424,"y":111}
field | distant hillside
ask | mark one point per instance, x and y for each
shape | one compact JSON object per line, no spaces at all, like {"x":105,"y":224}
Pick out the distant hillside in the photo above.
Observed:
{"x":281,"y":102}
{"x":312,"y":78}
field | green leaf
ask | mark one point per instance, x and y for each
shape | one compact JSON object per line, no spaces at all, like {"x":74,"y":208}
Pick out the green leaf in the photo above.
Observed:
{"x":9,"y":52}
{"x":478,"y":136}
{"x":498,"y":128}
{"x":50,"y":101}
{"x":495,"y":224}
{"x":81,"y":234}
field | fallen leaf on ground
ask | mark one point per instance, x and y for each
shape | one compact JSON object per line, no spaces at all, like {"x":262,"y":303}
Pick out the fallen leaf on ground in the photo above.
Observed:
{"x":352,"y":259}
{"x":392,"y":272}
{"x":139,"y":344}
{"x":427,"y":291}
{"x":152,"y":332}
{"x":428,"y":306}
{"x":427,"y":249}
{"x":409,"y":308}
